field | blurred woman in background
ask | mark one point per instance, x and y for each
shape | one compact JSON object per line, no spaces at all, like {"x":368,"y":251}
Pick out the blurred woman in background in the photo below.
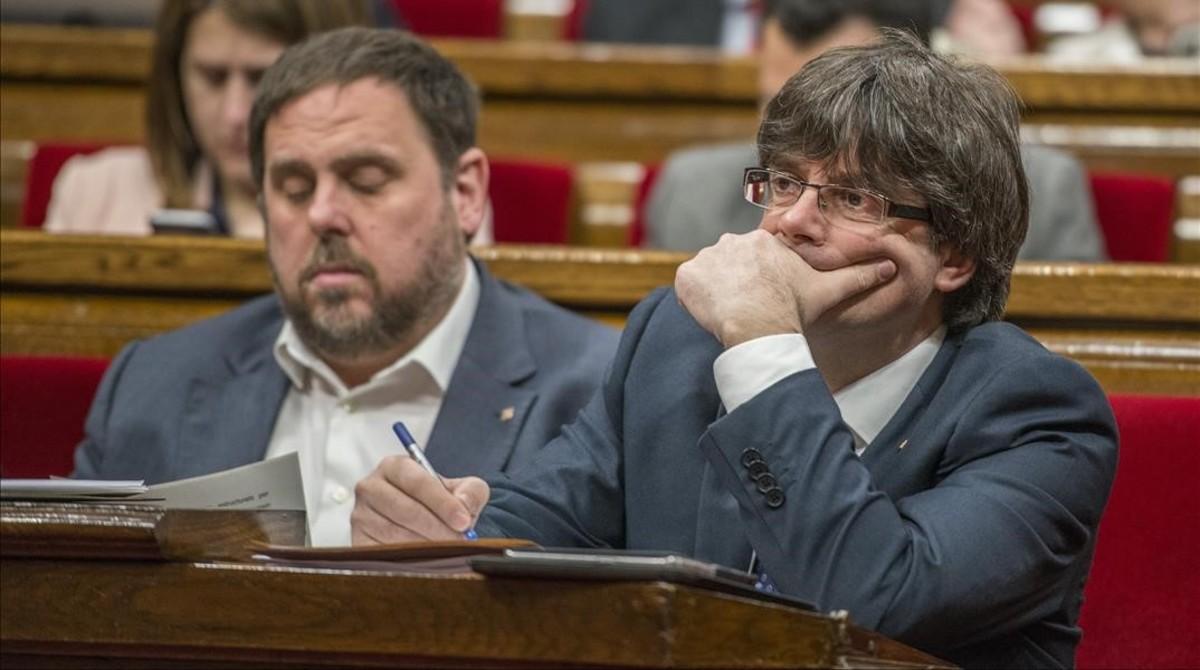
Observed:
{"x":208,"y":57}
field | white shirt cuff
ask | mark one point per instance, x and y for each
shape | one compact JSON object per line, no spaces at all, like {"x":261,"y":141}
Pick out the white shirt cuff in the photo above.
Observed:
{"x":745,"y":370}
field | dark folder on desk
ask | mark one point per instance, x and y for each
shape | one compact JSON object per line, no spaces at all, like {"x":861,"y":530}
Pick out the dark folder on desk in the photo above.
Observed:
{"x":618,"y":565}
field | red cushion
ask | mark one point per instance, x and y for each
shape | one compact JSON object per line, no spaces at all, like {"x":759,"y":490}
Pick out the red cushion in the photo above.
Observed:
{"x":573,"y":25}
{"x":43,"y":167}
{"x":531,"y":202}
{"x":43,"y":404}
{"x":1136,"y":213}
{"x":637,"y":227}
{"x":453,"y":18}
{"x":1024,"y":16}
{"x":1142,"y":600}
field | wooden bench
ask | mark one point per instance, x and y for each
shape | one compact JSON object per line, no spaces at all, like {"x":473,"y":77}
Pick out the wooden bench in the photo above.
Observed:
{"x":607,"y":109}
{"x":584,"y":102}
{"x":1136,"y":327}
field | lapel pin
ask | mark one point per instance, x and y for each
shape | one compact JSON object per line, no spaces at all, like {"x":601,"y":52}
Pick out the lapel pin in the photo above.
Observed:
{"x":507,"y":414}
{"x":902,"y":445}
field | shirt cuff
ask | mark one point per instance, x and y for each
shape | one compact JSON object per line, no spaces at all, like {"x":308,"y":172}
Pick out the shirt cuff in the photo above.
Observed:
{"x":745,"y":370}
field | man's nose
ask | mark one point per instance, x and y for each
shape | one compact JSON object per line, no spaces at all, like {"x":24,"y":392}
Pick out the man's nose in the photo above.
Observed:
{"x":326,"y":211}
{"x":803,"y":222}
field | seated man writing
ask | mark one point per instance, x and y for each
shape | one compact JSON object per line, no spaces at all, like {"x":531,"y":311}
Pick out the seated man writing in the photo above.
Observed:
{"x":362,"y":144}
{"x":831,"y":400}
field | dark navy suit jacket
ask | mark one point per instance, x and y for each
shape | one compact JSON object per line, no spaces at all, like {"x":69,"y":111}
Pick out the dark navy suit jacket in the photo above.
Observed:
{"x":205,"y":398}
{"x":965,"y":529}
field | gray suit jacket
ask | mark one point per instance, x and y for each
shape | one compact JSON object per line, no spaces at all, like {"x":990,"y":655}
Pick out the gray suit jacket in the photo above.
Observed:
{"x":698,"y":196}
{"x":694,"y":22}
{"x":965,"y":529}
{"x":204,"y":398}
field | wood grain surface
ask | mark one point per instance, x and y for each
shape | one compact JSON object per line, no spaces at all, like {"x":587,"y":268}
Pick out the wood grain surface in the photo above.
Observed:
{"x":230,"y":614}
{"x":1135,"y":326}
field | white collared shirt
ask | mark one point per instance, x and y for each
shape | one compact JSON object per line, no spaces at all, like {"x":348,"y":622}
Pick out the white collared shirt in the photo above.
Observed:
{"x":341,"y":434}
{"x":745,"y":370}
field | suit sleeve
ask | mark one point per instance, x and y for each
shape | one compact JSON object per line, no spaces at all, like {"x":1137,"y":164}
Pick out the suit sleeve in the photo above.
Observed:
{"x":89,"y":455}
{"x":990,"y":548}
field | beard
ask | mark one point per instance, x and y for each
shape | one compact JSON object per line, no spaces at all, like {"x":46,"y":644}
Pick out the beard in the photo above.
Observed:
{"x":326,"y":322}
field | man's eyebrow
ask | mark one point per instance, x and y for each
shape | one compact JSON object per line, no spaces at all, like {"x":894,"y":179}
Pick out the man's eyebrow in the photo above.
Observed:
{"x":351,"y":162}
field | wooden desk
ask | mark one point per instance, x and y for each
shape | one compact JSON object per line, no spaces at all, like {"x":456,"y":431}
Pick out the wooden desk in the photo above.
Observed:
{"x":155,"y":612}
{"x":1136,"y":327}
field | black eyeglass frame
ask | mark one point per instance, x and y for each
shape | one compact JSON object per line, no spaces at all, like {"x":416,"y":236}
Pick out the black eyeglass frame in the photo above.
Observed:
{"x":894,"y":209}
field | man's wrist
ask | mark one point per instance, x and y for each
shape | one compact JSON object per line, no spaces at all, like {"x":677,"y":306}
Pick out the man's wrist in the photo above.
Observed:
{"x":745,"y":370}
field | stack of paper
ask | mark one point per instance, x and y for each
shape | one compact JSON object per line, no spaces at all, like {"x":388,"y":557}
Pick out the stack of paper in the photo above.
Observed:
{"x":272,"y":484}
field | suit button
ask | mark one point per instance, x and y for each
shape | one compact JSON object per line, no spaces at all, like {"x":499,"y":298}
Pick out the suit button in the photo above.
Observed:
{"x":751,"y":455}
{"x":758,"y":469}
{"x":765,"y":482}
{"x":775,"y":497}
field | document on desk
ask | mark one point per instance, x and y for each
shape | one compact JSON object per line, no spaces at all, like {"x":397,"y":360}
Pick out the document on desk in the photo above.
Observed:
{"x":445,"y":557}
{"x":70,"y":489}
{"x":270,"y":484}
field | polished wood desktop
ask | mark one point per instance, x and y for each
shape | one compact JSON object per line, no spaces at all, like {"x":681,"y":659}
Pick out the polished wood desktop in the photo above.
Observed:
{"x":1136,"y":327}
{"x":65,"y":605}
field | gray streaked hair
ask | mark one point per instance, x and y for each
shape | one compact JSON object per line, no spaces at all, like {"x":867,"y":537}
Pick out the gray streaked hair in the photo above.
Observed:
{"x":441,"y":96}
{"x":894,"y":117}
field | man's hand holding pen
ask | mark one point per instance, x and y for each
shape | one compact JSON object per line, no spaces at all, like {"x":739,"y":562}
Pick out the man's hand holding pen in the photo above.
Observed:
{"x":401,"y":502}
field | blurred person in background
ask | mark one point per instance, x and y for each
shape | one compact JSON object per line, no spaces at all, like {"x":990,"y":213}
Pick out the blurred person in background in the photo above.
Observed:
{"x":1143,"y":28}
{"x":698,"y":196}
{"x":207,"y":59}
{"x":981,"y":28}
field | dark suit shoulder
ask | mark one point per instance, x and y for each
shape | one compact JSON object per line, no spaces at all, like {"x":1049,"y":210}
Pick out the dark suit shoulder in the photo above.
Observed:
{"x":558,"y":333}
{"x":1001,"y":353}
{"x":252,"y":326}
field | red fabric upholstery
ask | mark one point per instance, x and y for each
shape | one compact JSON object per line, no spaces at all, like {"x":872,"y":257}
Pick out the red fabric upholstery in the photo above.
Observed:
{"x":1142,"y":600}
{"x":531,"y":202}
{"x":43,"y":404}
{"x":573,"y":26}
{"x":1024,"y":16}
{"x":43,"y":167}
{"x":637,"y":227}
{"x":1136,"y":213}
{"x":453,"y":18}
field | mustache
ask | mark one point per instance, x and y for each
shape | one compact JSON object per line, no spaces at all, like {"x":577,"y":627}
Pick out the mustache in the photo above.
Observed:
{"x":333,"y":254}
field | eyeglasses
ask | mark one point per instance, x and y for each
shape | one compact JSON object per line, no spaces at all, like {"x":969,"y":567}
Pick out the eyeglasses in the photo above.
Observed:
{"x":769,"y":189}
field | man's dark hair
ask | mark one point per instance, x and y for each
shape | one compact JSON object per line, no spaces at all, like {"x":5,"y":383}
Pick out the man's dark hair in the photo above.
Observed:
{"x":805,"y":21}
{"x":442,"y":98}
{"x":895,"y":117}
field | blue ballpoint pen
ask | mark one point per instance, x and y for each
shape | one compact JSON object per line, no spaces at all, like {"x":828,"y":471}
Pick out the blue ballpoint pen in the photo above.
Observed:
{"x":414,"y":450}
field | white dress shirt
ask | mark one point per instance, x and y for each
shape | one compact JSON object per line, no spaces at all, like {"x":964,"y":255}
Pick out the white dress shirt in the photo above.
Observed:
{"x":341,"y":434}
{"x":745,"y":370}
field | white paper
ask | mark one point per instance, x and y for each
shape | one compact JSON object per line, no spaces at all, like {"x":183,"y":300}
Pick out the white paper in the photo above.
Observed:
{"x":270,"y":484}
{"x":70,"y":488}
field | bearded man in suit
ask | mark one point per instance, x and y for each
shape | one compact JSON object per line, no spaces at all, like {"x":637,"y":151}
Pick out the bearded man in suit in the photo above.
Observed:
{"x":362,"y":144}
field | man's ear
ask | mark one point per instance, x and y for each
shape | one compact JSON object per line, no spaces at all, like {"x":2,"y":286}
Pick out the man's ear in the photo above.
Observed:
{"x":955,"y":271}
{"x":469,"y":190}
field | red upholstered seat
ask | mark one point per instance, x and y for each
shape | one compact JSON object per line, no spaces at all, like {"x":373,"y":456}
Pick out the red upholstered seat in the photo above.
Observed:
{"x":47,"y":160}
{"x":1136,"y":213}
{"x":43,"y":404}
{"x":453,"y":18}
{"x":1142,"y":600}
{"x":531,"y":202}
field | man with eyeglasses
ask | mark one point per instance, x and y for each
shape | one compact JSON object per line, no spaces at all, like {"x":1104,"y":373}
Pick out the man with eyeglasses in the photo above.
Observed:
{"x":831,"y":401}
